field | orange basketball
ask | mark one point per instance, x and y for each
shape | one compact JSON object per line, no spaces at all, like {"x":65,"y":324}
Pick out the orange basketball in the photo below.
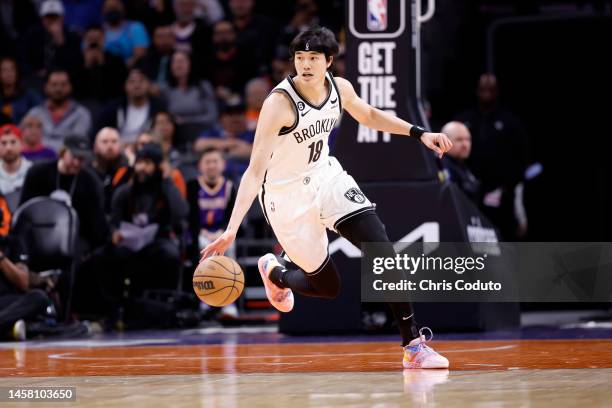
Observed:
{"x":218,"y":281}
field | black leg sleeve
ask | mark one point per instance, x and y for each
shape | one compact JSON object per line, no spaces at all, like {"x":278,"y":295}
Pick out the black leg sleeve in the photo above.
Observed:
{"x":367,"y":227}
{"x":323,"y":283}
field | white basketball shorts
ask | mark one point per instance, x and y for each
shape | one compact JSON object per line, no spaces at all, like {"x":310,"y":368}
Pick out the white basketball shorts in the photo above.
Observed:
{"x":300,"y":212}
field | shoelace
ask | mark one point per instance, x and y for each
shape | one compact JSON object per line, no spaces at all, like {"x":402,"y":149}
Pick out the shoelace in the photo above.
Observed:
{"x":425,"y":340}
{"x":421,"y":346}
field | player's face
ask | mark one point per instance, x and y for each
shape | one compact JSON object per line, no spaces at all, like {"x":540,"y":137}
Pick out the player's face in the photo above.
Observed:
{"x":311,"y":66}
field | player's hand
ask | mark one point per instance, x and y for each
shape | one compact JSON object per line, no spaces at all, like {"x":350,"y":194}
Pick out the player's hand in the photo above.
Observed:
{"x":438,"y":142}
{"x":219,"y":245}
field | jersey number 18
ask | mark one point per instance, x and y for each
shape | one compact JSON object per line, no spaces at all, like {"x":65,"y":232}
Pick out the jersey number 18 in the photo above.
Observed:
{"x":315,"y":151}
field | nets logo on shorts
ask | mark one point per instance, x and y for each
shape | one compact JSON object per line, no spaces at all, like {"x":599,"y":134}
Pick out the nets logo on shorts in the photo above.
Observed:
{"x":355,"y":196}
{"x":377,"y":15}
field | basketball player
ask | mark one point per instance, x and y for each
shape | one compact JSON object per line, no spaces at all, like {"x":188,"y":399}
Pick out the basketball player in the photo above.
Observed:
{"x":303,"y":190}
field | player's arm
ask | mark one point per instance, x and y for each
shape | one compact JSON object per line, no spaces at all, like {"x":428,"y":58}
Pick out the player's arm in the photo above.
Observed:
{"x":377,"y":119}
{"x":275,"y":114}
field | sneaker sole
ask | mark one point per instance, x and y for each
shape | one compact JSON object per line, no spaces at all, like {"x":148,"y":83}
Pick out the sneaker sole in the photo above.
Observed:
{"x":267,"y":283}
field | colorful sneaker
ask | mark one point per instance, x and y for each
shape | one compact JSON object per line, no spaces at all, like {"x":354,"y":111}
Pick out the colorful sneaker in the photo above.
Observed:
{"x":417,"y":354}
{"x":281,"y":299}
{"x":19,"y":330}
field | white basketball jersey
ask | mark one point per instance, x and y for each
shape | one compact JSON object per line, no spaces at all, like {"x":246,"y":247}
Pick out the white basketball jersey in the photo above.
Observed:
{"x":303,"y":147}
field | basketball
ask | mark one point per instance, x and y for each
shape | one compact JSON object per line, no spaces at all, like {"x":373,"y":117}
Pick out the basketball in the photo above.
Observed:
{"x":218,"y":281}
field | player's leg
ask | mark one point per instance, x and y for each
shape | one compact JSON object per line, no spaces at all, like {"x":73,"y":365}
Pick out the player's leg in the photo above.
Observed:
{"x":367,"y":227}
{"x":324,"y":282}
{"x":303,"y":236}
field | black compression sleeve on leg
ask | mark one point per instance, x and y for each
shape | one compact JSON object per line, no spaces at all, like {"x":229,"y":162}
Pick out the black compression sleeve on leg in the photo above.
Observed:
{"x":323,"y":283}
{"x":367,"y":227}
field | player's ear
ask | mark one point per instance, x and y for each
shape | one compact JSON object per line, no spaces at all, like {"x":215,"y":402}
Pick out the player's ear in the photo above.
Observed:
{"x":329,"y":61}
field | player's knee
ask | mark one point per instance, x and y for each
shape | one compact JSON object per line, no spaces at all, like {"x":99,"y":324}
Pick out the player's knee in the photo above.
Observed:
{"x":365,"y":227}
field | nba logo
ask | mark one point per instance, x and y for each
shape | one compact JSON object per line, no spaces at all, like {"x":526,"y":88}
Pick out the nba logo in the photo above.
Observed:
{"x":377,"y":15}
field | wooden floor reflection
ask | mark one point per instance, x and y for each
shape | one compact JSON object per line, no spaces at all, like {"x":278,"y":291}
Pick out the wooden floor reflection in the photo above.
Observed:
{"x":418,"y":388}
{"x":484,"y":373}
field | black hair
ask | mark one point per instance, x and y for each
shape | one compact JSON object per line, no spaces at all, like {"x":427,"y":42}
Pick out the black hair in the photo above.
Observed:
{"x":138,"y":70}
{"x":95,"y":27}
{"x":168,"y":115}
{"x":208,"y":150}
{"x":192,"y":78}
{"x":57,"y":70}
{"x":13,"y":60}
{"x":315,"y":38}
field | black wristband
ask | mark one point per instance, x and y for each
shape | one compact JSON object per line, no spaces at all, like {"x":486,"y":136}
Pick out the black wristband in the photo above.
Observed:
{"x":417,"y":131}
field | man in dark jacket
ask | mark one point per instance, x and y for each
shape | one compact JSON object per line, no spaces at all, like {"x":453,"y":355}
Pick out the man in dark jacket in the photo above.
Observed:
{"x":66,"y":179}
{"x":454,"y":160}
{"x":52,"y":45}
{"x":148,"y":201}
{"x":499,"y":154}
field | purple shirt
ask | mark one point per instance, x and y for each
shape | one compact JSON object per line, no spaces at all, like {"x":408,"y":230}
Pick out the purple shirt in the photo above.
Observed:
{"x":44,"y":153}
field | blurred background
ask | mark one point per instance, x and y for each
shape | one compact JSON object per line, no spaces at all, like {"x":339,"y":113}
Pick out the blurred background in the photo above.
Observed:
{"x":143,"y":112}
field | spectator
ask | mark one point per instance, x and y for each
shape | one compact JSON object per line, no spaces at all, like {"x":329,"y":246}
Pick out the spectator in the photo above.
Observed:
{"x":109,"y":164}
{"x":151,"y":13}
{"x":15,"y":100}
{"x":60,"y":114}
{"x":17,"y":17}
{"x":231,"y":67}
{"x":32,"y":137}
{"x":499,"y":154}
{"x":232,"y":137}
{"x":211,"y":199}
{"x":126,"y":39}
{"x":132,"y":114}
{"x":147,"y":200}
{"x":210,"y":11}
{"x":13,"y":167}
{"x":168,"y":170}
{"x":18,"y":301}
{"x":191,"y":101}
{"x":254,"y":32}
{"x":256,"y":91}
{"x":103,"y":73}
{"x":66,"y":179}
{"x":164,"y":129}
{"x":281,"y":67}
{"x":192,"y":35}
{"x":156,"y":64}
{"x":454,"y":160}
{"x":52,"y":46}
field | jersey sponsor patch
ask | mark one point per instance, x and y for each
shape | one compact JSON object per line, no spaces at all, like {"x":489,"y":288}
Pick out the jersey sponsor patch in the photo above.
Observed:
{"x":355,"y":195}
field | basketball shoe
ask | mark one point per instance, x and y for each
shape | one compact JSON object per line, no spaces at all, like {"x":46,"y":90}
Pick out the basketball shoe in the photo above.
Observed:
{"x":418,"y":354}
{"x":281,"y":299}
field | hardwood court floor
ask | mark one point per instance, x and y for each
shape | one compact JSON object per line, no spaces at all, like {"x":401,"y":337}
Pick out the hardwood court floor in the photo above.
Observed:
{"x":483,"y":373}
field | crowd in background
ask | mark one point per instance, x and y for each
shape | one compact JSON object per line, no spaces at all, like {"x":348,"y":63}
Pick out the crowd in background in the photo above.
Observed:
{"x":142,"y":114}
